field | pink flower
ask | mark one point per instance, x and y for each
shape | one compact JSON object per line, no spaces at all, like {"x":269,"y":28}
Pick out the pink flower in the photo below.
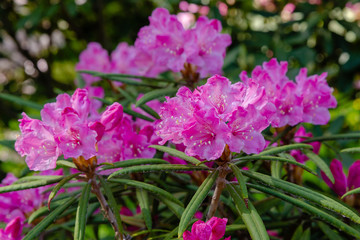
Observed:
{"x":93,"y":58}
{"x":37,"y":143}
{"x":12,"y":230}
{"x":208,"y":46}
{"x":216,"y":114}
{"x":317,"y":97}
{"x":164,"y":39}
{"x":297,"y":154}
{"x":214,"y":229}
{"x":343,"y":184}
{"x":307,"y":100}
{"x":127,"y":59}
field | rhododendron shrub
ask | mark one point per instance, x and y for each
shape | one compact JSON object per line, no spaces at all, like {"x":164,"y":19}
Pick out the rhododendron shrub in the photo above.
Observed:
{"x":193,"y":153}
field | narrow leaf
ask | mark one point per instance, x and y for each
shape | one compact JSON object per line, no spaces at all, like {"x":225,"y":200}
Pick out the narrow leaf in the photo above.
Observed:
{"x":111,"y":75}
{"x":40,"y":227}
{"x":196,"y":201}
{"x":112,"y":203}
{"x":354,"y":191}
{"x":27,"y":185}
{"x":80,"y":220}
{"x":64,"y":163}
{"x":143,"y":199}
{"x":148,"y":187}
{"x":250,"y":217}
{"x":285,"y":148}
{"x":273,"y":158}
{"x":20,"y":101}
{"x":8,"y":143}
{"x":241,"y":181}
{"x":176,"y":153}
{"x":155,"y":94}
{"x":346,"y":136}
{"x":320,"y":163}
{"x":135,"y":162}
{"x":311,"y":209}
{"x":137,"y":115}
{"x":157,"y":168}
{"x":59,"y":186}
{"x":331,"y":234}
{"x":306,"y":193}
{"x":174,"y":207}
{"x":351,"y":150}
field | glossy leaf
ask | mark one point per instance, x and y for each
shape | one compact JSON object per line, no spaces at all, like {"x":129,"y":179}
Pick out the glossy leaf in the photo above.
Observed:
{"x":59,"y":186}
{"x":32,"y":184}
{"x":311,"y":209}
{"x":135,"y":162}
{"x":40,"y":227}
{"x":196,"y":201}
{"x":143,"y":199}
{"x":155,"y":94}
{"x":176,"y":153}
{"x":80,"y":220}
{"x":157,"y":168}
{"x":321,"y":164}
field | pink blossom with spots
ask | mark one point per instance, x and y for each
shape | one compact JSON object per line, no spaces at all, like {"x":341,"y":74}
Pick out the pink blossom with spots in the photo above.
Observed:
{"x":67,"y":128}
{"x":13,"y":230}
{"x":171,"y":45}
{"x":215,"y":114}
{"x":164,"y":39}
{"x":214,"y":229}
{"x":306,"y":100}
{"x":127,"y":59}
{"x":342,"y":183}
{"x":317,"y":97}
{"x":208,"y":46}
{"x":93,"y":58}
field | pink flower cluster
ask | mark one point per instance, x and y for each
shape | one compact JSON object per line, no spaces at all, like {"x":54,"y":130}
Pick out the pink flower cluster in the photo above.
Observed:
{"x":170,"y":45}
{"x":214,"y":229}
{"x":216,"y":114}
{"x":306,"y":100}
{"x":69,"y":128}
{"x":163,"y":45}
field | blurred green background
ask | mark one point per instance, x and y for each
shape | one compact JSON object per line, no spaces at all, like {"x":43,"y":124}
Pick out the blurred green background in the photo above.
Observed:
{"x":40,"y":42}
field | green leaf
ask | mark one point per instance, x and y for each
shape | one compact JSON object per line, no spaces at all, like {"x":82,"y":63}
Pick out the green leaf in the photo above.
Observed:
{"x":150,"y":111}
{"x":241,"y":181}
{"x":174,"y":207}
{"x":148,"y":187}
{"x":8,"y":143}
{"x":331,"y":234}
{"x":273,"y":158}
{"x":249,"y":215}
{"x":354,"y":191}
{"x":176,"y":153}
{"x":112,"y":203}
{"x":117,"y":75}
{"x":196,"y":201}
{"x":311,"y":209}
{"x":351,"y":150}
{"x":64,"y":163}
{"x":80,"y":220}
{"x":306,"y":193}
{"x":285,"y":148}
{"x":346,"y":136}
{"x":143,"y":199}
{"x":155,"y":94}
{"x":320,"y":163}
{"x":32,"y":184}
{"x":59,"y":185}
{"x":298,"y":233}
{"x":40,"y":227}
{"x":157,"y":168}
{"x":136,"y":161}
{"x":20,"y":101}
{"x":137,"y":115}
